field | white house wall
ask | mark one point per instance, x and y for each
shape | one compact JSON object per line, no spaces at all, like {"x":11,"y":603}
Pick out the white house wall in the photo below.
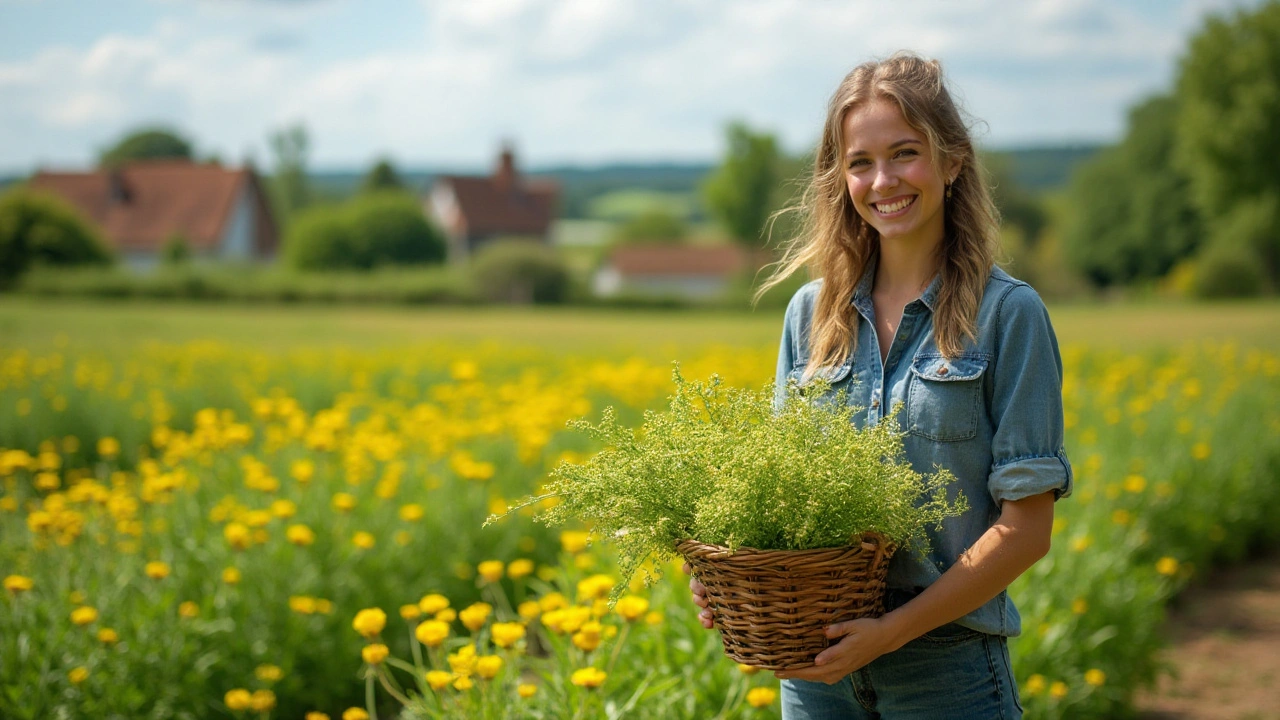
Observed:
{"x":237,"y":235}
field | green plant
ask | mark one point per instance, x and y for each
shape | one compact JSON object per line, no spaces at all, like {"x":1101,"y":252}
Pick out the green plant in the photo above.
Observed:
{"x":724,"y":466}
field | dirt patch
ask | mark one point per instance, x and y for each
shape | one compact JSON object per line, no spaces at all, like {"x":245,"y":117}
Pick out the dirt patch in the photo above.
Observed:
{"x":1224,"y":649}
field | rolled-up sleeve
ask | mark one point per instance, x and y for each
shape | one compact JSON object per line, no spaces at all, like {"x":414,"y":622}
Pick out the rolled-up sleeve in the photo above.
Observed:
{"x":1026,"y":403}
{"x":786,"y":352}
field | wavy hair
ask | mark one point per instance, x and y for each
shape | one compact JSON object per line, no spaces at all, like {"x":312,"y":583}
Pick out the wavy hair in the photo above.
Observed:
{"x":836,"y":244}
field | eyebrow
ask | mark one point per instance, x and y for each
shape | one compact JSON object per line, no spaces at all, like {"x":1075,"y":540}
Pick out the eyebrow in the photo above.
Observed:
{"x":894,"y":146}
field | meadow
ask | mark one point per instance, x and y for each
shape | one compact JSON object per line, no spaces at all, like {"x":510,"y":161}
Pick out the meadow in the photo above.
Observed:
{"x":270,"y":512}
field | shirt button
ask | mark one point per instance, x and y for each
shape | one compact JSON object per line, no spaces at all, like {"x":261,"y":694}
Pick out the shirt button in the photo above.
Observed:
{"x":942,"y":370}
{"x":875,"y":403}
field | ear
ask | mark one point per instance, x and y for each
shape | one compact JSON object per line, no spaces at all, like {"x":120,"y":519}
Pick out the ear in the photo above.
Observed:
{"x":953,"y":166}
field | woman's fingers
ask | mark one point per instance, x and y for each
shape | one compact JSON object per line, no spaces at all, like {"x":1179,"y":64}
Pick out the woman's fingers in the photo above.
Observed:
{"x":705,"y":618}
{"x":700,"y":600}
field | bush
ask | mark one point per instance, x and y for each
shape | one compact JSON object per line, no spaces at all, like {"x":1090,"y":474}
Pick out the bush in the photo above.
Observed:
{"x":320,"y":239}
{"x":40,"y":229}
{"x":390,"y":229}
{"x":1241,"y":254}
{"x":520,"y":271}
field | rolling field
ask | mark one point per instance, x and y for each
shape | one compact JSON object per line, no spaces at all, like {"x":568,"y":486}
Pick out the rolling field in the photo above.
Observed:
{"x":213,"y":511}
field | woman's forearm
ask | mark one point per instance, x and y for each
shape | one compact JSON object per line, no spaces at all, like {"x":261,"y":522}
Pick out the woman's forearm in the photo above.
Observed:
{"x":1019,"y":537}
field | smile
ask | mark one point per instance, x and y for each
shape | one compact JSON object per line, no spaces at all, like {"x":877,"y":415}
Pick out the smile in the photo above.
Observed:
{"x":894,"y":207}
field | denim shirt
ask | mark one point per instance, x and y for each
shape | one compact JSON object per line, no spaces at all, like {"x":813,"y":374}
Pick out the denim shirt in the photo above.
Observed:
{"x":992,"y":415}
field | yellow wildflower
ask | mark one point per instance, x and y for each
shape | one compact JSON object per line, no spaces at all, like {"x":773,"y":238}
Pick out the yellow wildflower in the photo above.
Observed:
{"x":761,"y":697}
{"x":1058,"y":690}
{"x":344,"y":502}
{"x":587,"y":639}
{"x":432,"y":632}
{"x":1080,"y":606}
{"x":189,"y":609}
{"x":84,"y":615}
{"x":447,"y":615}
{"x":363,"y":540}
{"x":475,"y":615}
{"x":300,"y":535}
{"x":1135,"y":483}
{"x":653,"y":618}
{"x":231,"y":576}
{"x":439,"y":679}
{"x":631,"y":607}
{"x":107,"y":636}
{"x":374,"y":654}
{"x":237,"y":699}
{"x":519,"y":568}
{"x":18,"y":583}
{"x":157,"y":570}
{"x":529,"y":610}
{"x":1095,"y":677}
{"x":488,"y":666}
{"x":596,"y":587}
{"x":108,"y":447}
{"x":1200,"y":451}
{"x":748,"y":669}
{"x":411,"y":512}
{"x":78,"y":675}
{"x":588,"y":677}
{"x":490,"y":570}
{"x":463,"y":683}
{"x":433,"y":603}
{"x":1167,"y":566}
{"x":268,"y":672}
{"x":316,"y":715}
{"x":355,"y":713}
{"x":1035,"y":685}
{"x":463,"y":662}
{"x":505,"y":635}
{"x":553,"y":601}
{"x":262,"y":701}
{"x":237,"y":535}
{"x":369,"y":622}
{"x":574,"y":541}
{"x":410,"y":612}
{"x":302,"y":604}
{"x":527,"y":690}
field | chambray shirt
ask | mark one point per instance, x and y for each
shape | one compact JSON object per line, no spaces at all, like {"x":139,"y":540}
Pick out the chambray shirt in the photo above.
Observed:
{"x":992,"y":415}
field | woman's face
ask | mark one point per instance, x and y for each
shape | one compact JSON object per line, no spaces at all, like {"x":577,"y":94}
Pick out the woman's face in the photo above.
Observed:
{"x":892,"y":181}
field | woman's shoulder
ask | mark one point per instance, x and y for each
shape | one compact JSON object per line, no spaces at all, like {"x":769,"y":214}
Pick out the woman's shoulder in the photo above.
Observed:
{"x":1006,"y":294}
{"x":802,"y":302}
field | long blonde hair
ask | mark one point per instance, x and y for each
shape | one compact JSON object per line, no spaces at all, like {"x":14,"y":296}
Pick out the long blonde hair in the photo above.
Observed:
{"x":838,"y":245}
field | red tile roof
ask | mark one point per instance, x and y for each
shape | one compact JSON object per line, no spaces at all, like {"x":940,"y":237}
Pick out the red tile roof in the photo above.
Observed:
{"x":153,"y":200}
{"x":494,"y":208}
{"x":715,"y":260}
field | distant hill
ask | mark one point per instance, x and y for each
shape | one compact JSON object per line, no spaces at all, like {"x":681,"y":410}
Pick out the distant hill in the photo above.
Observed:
{"x":1037,"y":169}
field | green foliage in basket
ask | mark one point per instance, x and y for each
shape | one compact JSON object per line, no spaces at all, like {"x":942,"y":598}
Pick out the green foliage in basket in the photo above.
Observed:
{"x":725,"y":466}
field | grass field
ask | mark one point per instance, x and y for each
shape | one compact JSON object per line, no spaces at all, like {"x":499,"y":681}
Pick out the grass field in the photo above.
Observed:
{"x":35,"y":324}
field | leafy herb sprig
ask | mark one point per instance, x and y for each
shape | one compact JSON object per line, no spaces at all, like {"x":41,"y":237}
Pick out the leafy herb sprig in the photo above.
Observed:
{"x":729,"y":466}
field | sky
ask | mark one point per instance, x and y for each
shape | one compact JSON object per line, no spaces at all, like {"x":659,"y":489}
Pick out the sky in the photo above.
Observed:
{"x":441,"y":83}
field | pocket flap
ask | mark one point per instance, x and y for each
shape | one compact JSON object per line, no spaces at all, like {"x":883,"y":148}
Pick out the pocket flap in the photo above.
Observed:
{"x":941,"y":369}
{"x":832,"y":375}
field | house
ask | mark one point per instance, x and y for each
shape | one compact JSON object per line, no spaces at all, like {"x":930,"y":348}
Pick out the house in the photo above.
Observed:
{"x":220,"y":213}
{"x":475,"y":210}
{"x":695,"y":272}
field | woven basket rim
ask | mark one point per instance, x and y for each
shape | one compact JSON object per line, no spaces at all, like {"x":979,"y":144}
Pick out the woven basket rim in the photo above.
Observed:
{"x":869,"y":535}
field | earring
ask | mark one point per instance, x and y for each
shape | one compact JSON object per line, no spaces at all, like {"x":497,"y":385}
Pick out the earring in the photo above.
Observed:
{"x":948,"y":191}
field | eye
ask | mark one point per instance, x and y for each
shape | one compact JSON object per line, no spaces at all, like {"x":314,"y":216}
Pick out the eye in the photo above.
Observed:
{"x":857,"y":162}
{"x":906,"y":152}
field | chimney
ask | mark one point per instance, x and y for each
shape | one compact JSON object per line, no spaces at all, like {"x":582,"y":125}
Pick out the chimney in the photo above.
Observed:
{"x":504,"y":177}
{"x":117,"y":191}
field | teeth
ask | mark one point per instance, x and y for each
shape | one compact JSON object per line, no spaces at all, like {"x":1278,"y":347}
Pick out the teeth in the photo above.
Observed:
{"x":894,"y":207}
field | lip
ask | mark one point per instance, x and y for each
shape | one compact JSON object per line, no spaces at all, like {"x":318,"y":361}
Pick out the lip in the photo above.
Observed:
{"x":889,"y":201}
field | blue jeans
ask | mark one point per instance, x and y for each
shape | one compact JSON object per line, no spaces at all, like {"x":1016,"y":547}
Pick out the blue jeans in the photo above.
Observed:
{"x":952,"y":672}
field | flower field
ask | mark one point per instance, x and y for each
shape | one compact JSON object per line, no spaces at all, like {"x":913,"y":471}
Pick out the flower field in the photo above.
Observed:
{"x":208,"y":529}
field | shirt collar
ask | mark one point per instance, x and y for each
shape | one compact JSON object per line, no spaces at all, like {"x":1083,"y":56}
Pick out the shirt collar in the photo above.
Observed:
{"x":862,"y":291}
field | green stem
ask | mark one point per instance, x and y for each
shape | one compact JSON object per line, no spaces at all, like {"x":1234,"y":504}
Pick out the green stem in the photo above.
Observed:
{"x":369,"y":703}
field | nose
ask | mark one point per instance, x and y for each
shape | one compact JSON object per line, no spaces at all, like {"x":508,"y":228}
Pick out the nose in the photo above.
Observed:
{"x":884,"y":179}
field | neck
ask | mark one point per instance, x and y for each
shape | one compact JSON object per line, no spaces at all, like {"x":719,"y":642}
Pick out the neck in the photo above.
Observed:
{"x":906,"y":269}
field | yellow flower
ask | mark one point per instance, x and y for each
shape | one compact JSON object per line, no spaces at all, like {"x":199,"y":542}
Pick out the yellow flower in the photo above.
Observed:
{"x":447,"y":615}
{"x":1081,"y":543}
{"x":410,"y":612}
{"x":588,"y":677}
{"x":108,"y":447}
{"x":237,"y":535}
{"x":506,"y":635}
{"x":302,"y":471}
{"x":300,"y":535}
{"x":1135,"y":483}
{"x":189,"y":609}
{"x":355,"y":713}
{"x":490,"y":570}
{"x":653,"y":618}
{"x":488,"y":666}
{"x":474,"y":616}
{"x":18,"y":583}
{"x":584,"y":561}
{"x":463,"y":662}
{"x":302,"y":604}
{"x":374,"y":654}
{"x":574,"y":541}
{"x":527,"y":690}
{"x":107,"y":636}
{"x":411,"y":512}
{"x":237,"y":699}
{"x":363,"y":540}
{"x":433,"y":603}
{"x":432,"y":632}
{"x":519,"y":568}
{"x":631,"y":607}
{"x":1121,"y":517}
{"x":78,"y":675}
{"x":761,"y":697}
{"x":1095,"y":677}
{"x":1167,"y":566}
{"x":529,"y":610}
{"x":1058,"y":690}
{"x":369,"y":622}
{"x":596,"y":587}
{"x":316,"y":715}
{"x":587,"y":639}
{"x":262,"y":701}
{"x":439,"y":679}
{"x":284,"y":508}
{"x":1200,"y":451}
{"x":1080,"y":606}
{"x":748,"y":669}
{"x":1035,"y":685}
{"x":463,"y":683}
{"x":84,"y":615}
{"x":553,"y":601}
{"x":324,"y":607}
{"x":157,"y":570}
{"x":268,"y":672}
{"x":344,"y":502}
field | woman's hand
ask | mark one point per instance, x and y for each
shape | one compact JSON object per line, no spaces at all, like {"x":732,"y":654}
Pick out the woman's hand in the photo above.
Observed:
{"x":699,"y":598}
{"x":865,"y":639}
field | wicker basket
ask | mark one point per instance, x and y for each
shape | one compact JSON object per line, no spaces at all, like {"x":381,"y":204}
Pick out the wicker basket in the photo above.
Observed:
{"x":772,"y":606}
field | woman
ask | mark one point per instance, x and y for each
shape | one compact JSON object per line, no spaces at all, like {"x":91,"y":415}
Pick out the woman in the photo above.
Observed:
{"x":912,"y":317}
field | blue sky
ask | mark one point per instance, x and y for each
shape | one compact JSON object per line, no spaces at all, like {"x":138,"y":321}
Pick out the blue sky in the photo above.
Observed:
{"x":435,"y":83}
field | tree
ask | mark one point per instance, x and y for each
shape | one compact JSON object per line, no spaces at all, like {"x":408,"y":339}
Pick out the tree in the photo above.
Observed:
{"x":41,"y":229}
{"x":1228,"y":128}
{"x":382,"y":176}
{"x":146,"y":144}
{"x":1133,"y":218}
{"x":320,"y":238}
{"x":290,"y":146}
{"x":652,"y":226}
{"x":389,"y":229}
{"x":742,"y":191}
{"x":520,"y":272}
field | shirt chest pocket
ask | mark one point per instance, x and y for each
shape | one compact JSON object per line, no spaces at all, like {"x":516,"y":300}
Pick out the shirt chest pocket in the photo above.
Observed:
{"x":944,"y":397}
